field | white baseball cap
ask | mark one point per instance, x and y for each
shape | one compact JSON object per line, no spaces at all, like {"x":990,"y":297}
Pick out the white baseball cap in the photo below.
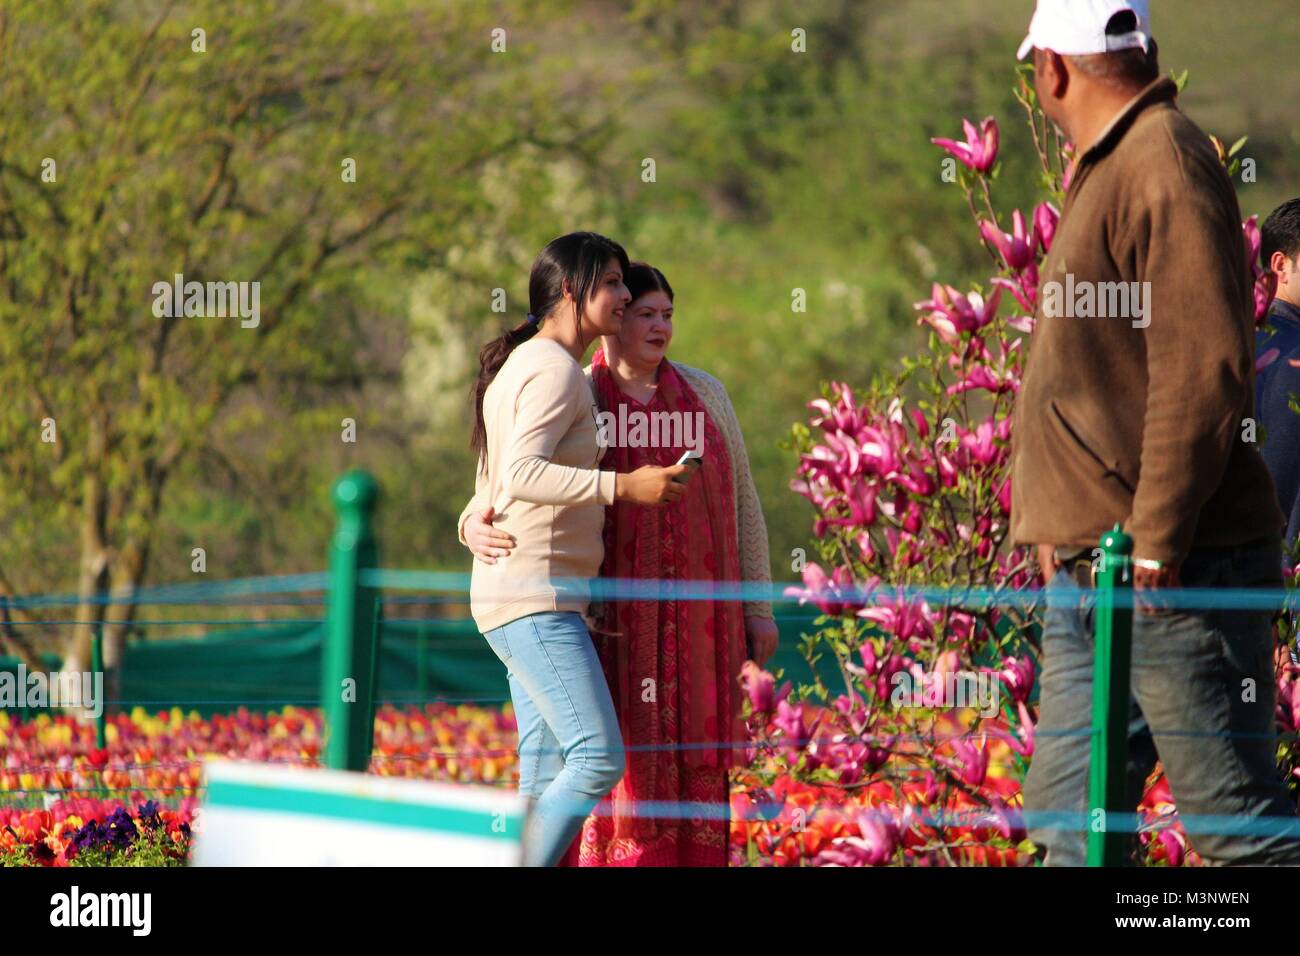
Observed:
{"x":1078,"y":27}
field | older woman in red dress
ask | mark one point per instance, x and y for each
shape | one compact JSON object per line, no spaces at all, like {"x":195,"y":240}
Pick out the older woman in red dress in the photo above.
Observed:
{"x":673,"y":662}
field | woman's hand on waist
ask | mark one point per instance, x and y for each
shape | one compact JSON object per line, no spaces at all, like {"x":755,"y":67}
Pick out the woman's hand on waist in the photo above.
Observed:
{"x":484,"y":541}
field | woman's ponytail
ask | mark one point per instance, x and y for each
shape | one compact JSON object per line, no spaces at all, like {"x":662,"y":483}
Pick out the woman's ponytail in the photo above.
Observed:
{"x":490,"y":359}
{"x":572,"y":263}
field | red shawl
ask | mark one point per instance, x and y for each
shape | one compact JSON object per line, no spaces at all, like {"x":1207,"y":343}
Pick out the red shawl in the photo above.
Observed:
{"x":674,"y":666}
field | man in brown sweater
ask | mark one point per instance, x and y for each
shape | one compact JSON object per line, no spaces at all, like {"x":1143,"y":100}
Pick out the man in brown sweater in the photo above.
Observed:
{"x":1135,"y":406}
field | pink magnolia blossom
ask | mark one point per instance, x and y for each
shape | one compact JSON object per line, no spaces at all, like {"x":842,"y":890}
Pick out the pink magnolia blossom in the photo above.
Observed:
{"x":1024,"y":287}
{"x":979,"y":444}
{"x":1173,"y":844}
{"x":1018,"y":676}
{"x":882,"y":669}
{"x":999,"y":378}
{"x":978,"y":377}
{"x":1254,"y":243}
{"x":1288,"y":696}
{"x":1265,"y":278}
{"x":1004,"y":496}
{"x":922,"y":426}
{"x":1006,"y":821}
{"x":1016,"y":247}
{"x":1046,"y":218}
{"x":1022,"y":740}
{"x":874,"y":847}
{"x":833,"y":595}
{"x":760,"y":685}
{"x":950,"y":313}
{"x":1265,"y":293}
{"x":902,"y":617}
{"x":851,"y":707}
{"x":972,"y":763}
{"x":844,"y":415}
{"x":789,"y":720}
{"x":980,"y":150}
{"x":849,"y":757}
{"x":961,"y":626}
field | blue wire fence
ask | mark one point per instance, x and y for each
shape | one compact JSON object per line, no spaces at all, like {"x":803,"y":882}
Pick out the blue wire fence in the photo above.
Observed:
{"x":355,"y":632}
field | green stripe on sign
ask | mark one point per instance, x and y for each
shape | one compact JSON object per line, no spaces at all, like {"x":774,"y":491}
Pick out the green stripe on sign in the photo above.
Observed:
{"x":417,"y":816}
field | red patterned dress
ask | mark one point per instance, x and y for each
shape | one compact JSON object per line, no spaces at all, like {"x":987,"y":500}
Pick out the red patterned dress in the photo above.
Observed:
{"x":674,"y":663}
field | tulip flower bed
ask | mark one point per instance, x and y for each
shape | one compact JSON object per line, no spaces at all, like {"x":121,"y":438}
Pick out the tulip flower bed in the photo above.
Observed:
{"x":101,"y":807}
{"x":63,"y":801}
{"x":87,"y":832}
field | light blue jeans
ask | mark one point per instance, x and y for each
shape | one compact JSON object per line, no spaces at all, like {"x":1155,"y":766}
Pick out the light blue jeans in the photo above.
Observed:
{"x":570,"y":744}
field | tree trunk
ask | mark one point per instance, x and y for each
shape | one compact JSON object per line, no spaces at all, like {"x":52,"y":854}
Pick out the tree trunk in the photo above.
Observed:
{"x":94,"y":577}
{"x":16,"y":643}
{"x":127,"y":573}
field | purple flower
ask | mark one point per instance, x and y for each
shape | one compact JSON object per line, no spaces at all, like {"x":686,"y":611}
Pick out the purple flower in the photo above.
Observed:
{"x":148,"y":815}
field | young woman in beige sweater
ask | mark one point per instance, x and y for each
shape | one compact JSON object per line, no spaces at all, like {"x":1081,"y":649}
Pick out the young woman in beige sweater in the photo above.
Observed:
{"x":535,"y":431}
{"x":670,"y":808}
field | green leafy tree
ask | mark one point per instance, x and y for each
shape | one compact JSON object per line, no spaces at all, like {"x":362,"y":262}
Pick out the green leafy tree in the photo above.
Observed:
{"x":215,"y":141}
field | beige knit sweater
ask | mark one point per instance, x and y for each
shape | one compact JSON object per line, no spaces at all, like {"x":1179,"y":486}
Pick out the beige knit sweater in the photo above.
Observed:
{"x":543,"y":478}
{"x":751,"y":529}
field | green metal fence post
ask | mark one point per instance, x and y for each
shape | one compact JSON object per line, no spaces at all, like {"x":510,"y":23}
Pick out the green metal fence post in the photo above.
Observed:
{"x":1107,"y":844}
{"x":348,"y":667}
{"x":97,"y":667}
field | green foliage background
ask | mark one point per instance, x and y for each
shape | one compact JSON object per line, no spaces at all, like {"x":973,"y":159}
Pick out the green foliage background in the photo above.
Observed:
{"x":775,"y":170}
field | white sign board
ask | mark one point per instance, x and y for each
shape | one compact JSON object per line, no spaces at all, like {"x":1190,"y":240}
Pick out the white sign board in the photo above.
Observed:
{"x":268,"y":815}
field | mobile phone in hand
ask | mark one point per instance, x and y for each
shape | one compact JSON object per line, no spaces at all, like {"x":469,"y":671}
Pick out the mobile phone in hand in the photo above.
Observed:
{"x":692,"y":458}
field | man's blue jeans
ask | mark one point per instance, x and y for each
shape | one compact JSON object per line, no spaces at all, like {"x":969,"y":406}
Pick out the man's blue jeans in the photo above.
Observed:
{"x":1203,"y":701}
{"x":570,"y":744}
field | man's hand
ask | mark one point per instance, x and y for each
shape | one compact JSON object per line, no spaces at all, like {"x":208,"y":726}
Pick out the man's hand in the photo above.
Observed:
{"x":1150,"y":581}
{"x":485,"y":541}
{"x":1047,"y":561}
{"x":763,"y":636}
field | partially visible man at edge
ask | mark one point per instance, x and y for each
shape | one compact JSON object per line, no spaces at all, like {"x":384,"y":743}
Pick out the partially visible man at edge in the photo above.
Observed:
{"x":1279,"y":381}
{"x":1138,"y":420}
